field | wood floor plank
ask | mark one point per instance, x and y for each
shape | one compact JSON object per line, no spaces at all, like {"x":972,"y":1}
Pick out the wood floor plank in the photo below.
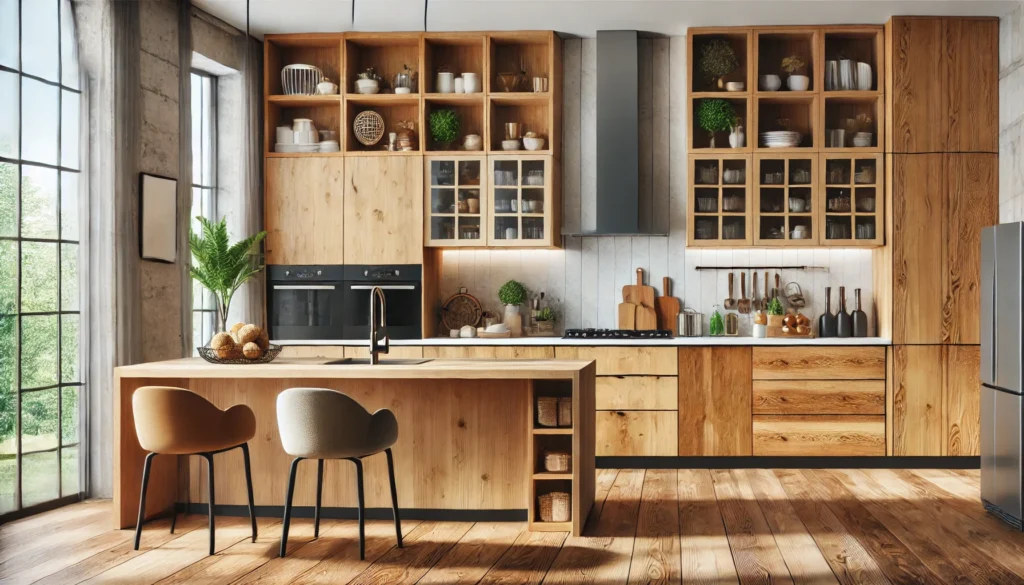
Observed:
{"x":605,"y":556}
{"x":805,"y":562}
{"x":946,"y":553}
{"x":426,"y":545}
{"x":332,"y":558}
{"x":57,"y":537}
{"x":757,"y":557}
{"x":527,"y":561}
{"x":40,"y":563}
{"x":42,"y":524}
{"x":235,"y":561}
{"x":656,"y":547}
{"x":705,"y":556}
{"x":899,"y":564}
{"x":473,"y":556}
{"x":850,"y":562}
{"x":603,"y":485}
{"x":959,"y":499}
{"x":948,"y":482}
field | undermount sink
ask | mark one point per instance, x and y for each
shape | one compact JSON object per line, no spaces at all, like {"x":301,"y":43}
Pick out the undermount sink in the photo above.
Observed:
{"x":383,"y":362}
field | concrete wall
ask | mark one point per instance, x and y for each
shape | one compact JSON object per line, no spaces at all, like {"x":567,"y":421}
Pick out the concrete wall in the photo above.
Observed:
{"x":583,"y":281}
{"x":1011,"y":116}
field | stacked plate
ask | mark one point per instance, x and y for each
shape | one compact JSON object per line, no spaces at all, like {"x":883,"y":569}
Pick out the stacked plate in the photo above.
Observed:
{"x":780,"y":139}
{"x":296,"y":147}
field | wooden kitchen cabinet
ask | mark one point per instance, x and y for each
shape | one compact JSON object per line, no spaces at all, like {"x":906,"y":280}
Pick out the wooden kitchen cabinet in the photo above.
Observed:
{"x":636,"y":433}
{"x":383,"y":210}
{"x":714,"y":401}
{"x":624,"y":361}
{"x":490,"y":352}
{"x":815,"y":435}
{"x":453,"y":218}
{"x":933,"y":397}
{"x":523,"y":209}
{"x":303,"y":210}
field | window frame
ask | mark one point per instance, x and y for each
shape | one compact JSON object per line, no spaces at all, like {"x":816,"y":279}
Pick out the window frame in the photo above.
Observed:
{"x":19,"y":163}
{"x":197,"y":183}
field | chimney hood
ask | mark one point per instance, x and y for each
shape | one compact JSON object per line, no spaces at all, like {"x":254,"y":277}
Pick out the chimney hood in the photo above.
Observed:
{"x":617,"y":201}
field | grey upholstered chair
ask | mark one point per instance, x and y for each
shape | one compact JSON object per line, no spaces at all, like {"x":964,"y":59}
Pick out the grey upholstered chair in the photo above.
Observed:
{"x":317,"y":423}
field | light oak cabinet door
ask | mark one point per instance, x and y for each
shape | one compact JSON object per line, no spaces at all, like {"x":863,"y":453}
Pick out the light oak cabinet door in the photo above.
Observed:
{"x":636,"y":433}
{"x":962,"y":415}
{"x":384,"y":210}
{"x":303,"y":210}
{"x":714,"y":401}
{"x":489,"y":352}
{"x":815,"y":435}
{"x":971,"y":59}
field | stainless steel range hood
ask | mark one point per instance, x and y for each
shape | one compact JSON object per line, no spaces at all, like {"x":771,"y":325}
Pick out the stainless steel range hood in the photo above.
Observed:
{"x":617,"y":200}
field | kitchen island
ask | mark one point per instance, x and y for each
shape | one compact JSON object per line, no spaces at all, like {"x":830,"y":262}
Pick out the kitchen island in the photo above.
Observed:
{"x":469,"y":445}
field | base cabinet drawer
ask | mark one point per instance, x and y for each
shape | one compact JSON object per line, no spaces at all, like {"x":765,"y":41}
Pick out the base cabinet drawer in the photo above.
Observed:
{"x":835,"y":436}
{"x":819,"y":396}
{"x":636,"y":433}
{"x":819,"y":363}
{"x":637,"y":392}
{"x":490,"y":352}
{"x":625,"y":361}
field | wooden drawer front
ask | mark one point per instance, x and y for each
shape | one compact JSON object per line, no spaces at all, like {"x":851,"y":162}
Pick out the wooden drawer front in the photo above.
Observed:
{"x":637,"y":432}
{"x":834,"y":436}
{"x":492,"y":352}
{"x":637,"y":393}
{"x":819,"y":397}
{"x":819,"y":363}
{"x":619,"y":361}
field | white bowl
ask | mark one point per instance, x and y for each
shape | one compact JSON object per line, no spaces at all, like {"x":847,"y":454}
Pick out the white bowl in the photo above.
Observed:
{"x":367,"y":86}
{"x":297,"y":148}
{"x":771,"y":82}
{"x":511,"y":145}
{"x":735,"y":86}
{"x":403,"y":90}
{"x":533,"y":143}
{"x":330,"y":146}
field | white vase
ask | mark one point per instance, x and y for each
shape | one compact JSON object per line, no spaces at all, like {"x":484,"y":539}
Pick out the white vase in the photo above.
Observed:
{"x":760,"y":331}
{"x":471,"y":82}
{"x":513,"y":320}
{"x":737,"y":138}
{"x":445,"y":82}
{"x":798,"y":82}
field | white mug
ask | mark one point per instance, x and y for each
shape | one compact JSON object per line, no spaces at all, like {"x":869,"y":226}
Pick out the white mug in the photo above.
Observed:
{"x":444,"y":82}
{"x":285,"y":135}
{"x":301,"y":126}
{"x":459,"y":88}
{"x":471,"y":82}
{"x":511,"y":233}
{"x":327,"y":88}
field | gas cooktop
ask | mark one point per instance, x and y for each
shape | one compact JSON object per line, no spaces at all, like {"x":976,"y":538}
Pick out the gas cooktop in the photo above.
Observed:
{"x":615,"y":334}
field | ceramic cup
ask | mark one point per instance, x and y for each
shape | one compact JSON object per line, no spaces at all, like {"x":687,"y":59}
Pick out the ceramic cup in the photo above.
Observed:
{"x":472,"y":142}
{"x":471,"y":82}
{"x":325,"y":87}
{"x":403,"y":90}
{"x":459,"y":85}
{"x":473,"y":204}
{"x":540,"y":84}
{"x":797,"y":206}
{"x":285,"y":135}
{"x":771,"y":82}
{"x":445,"y":82}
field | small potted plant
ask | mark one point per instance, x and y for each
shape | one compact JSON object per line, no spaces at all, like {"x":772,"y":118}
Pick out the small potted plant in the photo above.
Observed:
{"x":715,"y":115}
{"x":717,"y":59}
{"x":544,"y":321}
{"x":405,"y":80}
{"x":794,"y":66}
{"x":512,"y":294}
{"x":368,"y":81}
{"x":775,"y":313}
{"x":444,"y":128}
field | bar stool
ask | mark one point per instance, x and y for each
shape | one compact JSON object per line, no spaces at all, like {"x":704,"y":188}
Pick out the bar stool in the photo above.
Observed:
{"x":175,"y":421}
{"x":317,"y":423}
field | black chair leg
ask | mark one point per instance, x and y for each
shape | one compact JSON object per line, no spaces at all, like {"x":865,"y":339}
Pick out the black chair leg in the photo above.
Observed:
{"x":394,"y":496}
{"x":362,"y":518}
{"x":319,"y":493}
{"x":142,"y":498}
{"x":213,"y":502}
{"x":248,"y":484}
{"x":174,"y":516}
{"x":288,"y":505}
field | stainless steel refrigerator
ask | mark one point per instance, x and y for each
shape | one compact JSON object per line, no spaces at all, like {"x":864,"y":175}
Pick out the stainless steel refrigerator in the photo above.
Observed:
{"x":1002,"y":474}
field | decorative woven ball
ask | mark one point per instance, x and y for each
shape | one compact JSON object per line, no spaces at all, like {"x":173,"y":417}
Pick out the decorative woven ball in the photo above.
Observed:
{"x":236,"y":327}
{"x":263,"y":340}
{"x":222,"y":341}
{"x":248,"y":333}
{"x":252,"y":351}
{"x":230,"y":353}
{"x":368,"y":127}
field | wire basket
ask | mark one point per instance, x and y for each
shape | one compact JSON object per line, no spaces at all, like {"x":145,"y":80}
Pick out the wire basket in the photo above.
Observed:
{"x":300,"y":79}
{"x":368,"y":127}
{"x":269,"y":355}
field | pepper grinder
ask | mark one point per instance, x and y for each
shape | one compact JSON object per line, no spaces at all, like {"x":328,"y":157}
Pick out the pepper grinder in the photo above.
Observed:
{"x":860,"y":318}
{"x":827,"y":321}
{"x":844,"y":323}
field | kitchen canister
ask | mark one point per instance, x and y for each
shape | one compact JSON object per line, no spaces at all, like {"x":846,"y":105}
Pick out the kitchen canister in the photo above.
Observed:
{"x":445,"y":82}
{"x":690,"y":323}
{"x":459,"y":85}
{"x":471,"y":82}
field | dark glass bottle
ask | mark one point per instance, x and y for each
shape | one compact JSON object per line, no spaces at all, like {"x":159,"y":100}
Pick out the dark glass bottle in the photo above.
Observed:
{"x":844,"y":323}
{"x":860,"y":318}
{"x":827,"y":321}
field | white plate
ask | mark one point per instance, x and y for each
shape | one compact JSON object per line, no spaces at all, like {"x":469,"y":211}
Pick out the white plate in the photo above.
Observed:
{"x":296,"y":148}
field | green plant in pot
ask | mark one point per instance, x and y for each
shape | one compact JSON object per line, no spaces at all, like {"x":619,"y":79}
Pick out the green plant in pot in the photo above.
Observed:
{"x":221,"y":267}
{"x":512,"y":294}
{"x":444,"y":127}
{"x":717,"y":59}
{"x":775,"y":312}
{"x":715,"y":115}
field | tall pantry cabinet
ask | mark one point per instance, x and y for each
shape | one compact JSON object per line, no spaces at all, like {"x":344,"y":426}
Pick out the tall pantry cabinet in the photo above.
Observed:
{"x":941,"y":161}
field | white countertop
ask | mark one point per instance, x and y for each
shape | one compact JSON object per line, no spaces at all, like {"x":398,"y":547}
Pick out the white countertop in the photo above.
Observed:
{"x":547,"y":341}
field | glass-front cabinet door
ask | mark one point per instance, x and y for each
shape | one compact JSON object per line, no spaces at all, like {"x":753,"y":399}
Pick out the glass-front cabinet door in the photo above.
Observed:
{"x":785,"y":205}
{"x":456,"y":191}
{"x":852,"y":209}
{"x":521,"y":211}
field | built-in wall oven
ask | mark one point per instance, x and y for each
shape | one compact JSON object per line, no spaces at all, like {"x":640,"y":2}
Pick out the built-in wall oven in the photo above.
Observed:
{"x":403,"y":292}
{"x":305,"y":302}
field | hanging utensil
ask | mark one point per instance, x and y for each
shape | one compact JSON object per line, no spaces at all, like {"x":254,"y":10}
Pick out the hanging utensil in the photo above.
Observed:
{"x":757,"y":303}
{"x":795,"y":296}
{"x":730,"y":302}
{"x":744,"y":305}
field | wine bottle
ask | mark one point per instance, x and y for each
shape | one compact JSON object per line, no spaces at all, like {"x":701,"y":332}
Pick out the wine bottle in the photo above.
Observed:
{"x":827,"y":321}
{"x":844,"y":323}
{"x":860,"y":318}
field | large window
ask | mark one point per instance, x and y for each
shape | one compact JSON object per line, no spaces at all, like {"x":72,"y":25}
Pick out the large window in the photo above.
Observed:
{"x":204,"y":197}
{"x":40,"y":375}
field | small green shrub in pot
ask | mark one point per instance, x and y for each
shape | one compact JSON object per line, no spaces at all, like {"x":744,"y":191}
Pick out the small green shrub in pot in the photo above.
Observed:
{"x":444,"y":127}
{"x":717,"y":59}
{"x":775,"y":307}
{"x":715,"y":115}
{"x":512,"y":293}
{"x":546,"y":314}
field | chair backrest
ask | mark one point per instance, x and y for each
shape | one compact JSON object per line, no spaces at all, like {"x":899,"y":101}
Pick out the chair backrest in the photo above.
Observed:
{"x":169,"y":420}
{"x":315,"y":420}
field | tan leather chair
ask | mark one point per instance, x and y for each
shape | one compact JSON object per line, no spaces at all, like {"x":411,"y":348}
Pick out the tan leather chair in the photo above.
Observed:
{"x":317,"y":423}
{"x":175,"y":421}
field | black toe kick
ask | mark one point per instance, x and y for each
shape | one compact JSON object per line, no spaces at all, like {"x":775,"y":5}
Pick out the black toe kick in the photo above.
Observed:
{"x":429,"y":514}
{"x":969,"y":462}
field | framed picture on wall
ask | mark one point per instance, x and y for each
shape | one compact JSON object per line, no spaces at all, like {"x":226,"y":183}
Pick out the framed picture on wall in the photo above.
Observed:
{"x":158,"y":218}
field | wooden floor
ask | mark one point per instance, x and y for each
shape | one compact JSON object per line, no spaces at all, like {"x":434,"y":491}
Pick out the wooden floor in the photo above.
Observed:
{"x":655,"y":526}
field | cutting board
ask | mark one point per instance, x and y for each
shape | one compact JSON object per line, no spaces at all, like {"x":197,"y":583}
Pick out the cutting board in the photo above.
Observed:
{"x":627,"y":316}
{"x":638,"y":293}
{"x":667,"y":308}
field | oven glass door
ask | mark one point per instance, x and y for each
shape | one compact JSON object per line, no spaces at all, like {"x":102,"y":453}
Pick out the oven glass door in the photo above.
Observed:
{"x":403,"y":310}
{"x":305,"y":311}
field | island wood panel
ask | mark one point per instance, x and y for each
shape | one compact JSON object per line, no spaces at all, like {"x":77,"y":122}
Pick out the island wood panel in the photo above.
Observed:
{"x":383,"y":210}
{"x":636,"y":433}
{"x":637,"y":393}
{"x":819,"y":397}
{"x":819,"y":363}
{"x":972,"y":203}
{"x":714,"y":401}
{"x":916,"y":95}
{"x":331,"y":352}
{"x":819,"y":435}
{"x":504,"y":352}
{"x":303,"y":210}
{"x":584,"y":448}
{"x":624,"y":361}
{"x":882,"y":262}
{"x":917,"y":400}
{"x":394,"y":352}
{"x":961,"y":407}
{"x":970,"y":56}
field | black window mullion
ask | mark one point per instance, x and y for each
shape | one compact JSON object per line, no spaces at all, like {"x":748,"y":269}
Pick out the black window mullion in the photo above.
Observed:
{"x":60,"y":251}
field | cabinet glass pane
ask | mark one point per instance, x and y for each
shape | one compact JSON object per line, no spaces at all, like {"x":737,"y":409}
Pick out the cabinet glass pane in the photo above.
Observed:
{"x":800,"y":228}
{"x":506,"y":200}
{"x":772,"y":228}
{"x":800,"y":171}
{"x":865,"y":199}
{"x":734,"y":228}
{"x":442,"y":200}
{"x":865,"y":226}
{"x":837,"y":172}
{"x":837,"y":200}
{"x":734,"y":200}
{"x":706,"y":227}
{"x":533,"y":228}
{"x":773,"y":200}
{"x":442,"y":228}
{"x":469,"y":172}
{"x":800,"y":199}
{"x":442,"y":172}
{"x":533,"y":173}
{"x":469,"y":201}
{"x":773,"y":172}
{"x":706,"y":200}
{"x":705,"y":172}
{"x":837,"y":227}
{"x":866,"y":172}
{"x":532,"y":200}
{"x":506,"y":173}
{"x":469,"y":228}
{"x":734,"y":172}
{"x":506,"y":228}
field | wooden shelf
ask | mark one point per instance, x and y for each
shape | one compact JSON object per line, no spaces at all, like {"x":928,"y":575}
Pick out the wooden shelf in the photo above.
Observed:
{"x":549,"y":475}
{"x":383,"y":99}
{"x":302,"y":154}
{"x":538,"y":526}
{"x":295,"y":101}
{"x":552,"y":431}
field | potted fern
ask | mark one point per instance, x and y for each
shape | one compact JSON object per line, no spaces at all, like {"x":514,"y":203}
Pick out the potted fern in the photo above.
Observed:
{"x":221,"y":267}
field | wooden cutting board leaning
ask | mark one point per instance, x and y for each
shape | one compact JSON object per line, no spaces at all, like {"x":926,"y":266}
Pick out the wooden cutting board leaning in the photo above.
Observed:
{"x":667,"y":307}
